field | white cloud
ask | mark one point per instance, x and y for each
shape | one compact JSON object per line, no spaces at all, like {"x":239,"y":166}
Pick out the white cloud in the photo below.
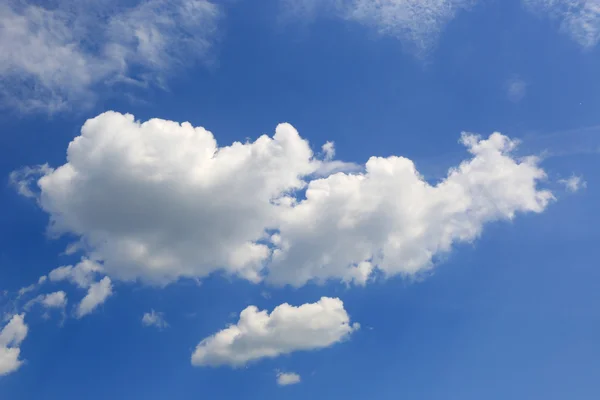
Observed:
{"x":83,"y":274}
{"x":159,"y":201}
{"x":54,"y":300}
{"x":580,"y":19}
{"x":97,"y":294}
{"x":55,"y":53}
{"x":328,"y":150}
{"x":287,"y":329}
{"x":11,"y":337}
{"x":154,"y":318}
{"x":573,"y":183}
{"x":516,"y":89}
{"x":50,"y":300}
{"x":287,"y":378}
{"x":417,"y":22}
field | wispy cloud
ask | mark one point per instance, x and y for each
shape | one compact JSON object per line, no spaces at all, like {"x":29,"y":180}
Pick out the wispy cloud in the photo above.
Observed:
{"x":516,"y":89}
{"x":574,"y":183}
{"x":577,"y":141}
{"x":154,"y":318}
{"x":417,"y":23}
{"x":580,"y":19}
{"x":55,"y":53}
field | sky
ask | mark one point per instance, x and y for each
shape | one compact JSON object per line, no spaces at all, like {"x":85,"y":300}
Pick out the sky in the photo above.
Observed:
{"x":360,"y":199}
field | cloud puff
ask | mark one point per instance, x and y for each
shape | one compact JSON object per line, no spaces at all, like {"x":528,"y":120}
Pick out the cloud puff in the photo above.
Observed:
{"x":84,"y":275}
{"x":286,"y":329}
{"x":580,"y":19}
{"x":54,"y":53}
{"x":54,"y":300}
{"x":97,"y":294}
{"x":159,"y":201}
{"x":11,"y":337}
{"x":154,"y":318}
{"x":417,"y":22}
{"x":50,"y":300}
{"x":287,"y":378}
{"x":574,"y":183}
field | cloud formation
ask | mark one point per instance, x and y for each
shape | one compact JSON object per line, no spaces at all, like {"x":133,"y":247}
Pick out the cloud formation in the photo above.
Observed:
{"x":50,"y":300}
{"x":97,"y":294}
{"x":574,"y":183}
{"x":11,"y":337}
{"x":287,"y":378}
{"x":84,"y":275}
{"x":417,"y":22}
{"x":580,"y":19}
{"x":55,"y":53}
{"x":286,"y":329}
{"x":159,"y":201}
{"x":154,"y":318}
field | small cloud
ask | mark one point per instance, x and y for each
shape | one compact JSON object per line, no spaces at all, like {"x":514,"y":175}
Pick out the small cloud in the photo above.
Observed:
{"x":51,"y":300}
{"x":82,"y":274}
{"x":328,"y":150}
{"x":11,"y":336}
{"x":265,"y":294}
{"x":154,"y":318}
{"x":287,"y":378}
{"x":54,"y":300}
{"x":516,"y":89}
{"x":287,"y":329}
{"x":97,"y":294}
{"x":574,"y":183}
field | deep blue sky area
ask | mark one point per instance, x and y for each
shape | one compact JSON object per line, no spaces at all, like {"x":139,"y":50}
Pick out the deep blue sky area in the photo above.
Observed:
{"x":512,"y":313}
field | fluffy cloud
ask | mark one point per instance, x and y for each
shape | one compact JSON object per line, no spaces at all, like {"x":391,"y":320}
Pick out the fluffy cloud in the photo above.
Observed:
{"x":154,"y":318}
{"x":287,"y":378}
{"x":50,"y":300}
{"x":54,"y":300}
{"x":11,"y":337}
{"x":286,"y":329}
{"x":83,"y":274}
{"x":580,"y":19}
{"x":55,"y":52}
{"x":417,"y":22}
{"x":97,"y":294}
{"x":159,"y":200}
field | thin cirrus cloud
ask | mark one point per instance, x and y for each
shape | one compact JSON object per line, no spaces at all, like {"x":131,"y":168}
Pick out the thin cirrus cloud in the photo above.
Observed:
{"x":158,"y":201}
{"x":418,"y":23}
{"x":287,"y":329}
{"x":55,"y":53}
{"x":580,"y":19}
{"x":11,"y":337}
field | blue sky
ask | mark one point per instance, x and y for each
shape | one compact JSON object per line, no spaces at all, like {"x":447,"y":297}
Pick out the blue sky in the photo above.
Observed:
{"x":153,"y":261}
